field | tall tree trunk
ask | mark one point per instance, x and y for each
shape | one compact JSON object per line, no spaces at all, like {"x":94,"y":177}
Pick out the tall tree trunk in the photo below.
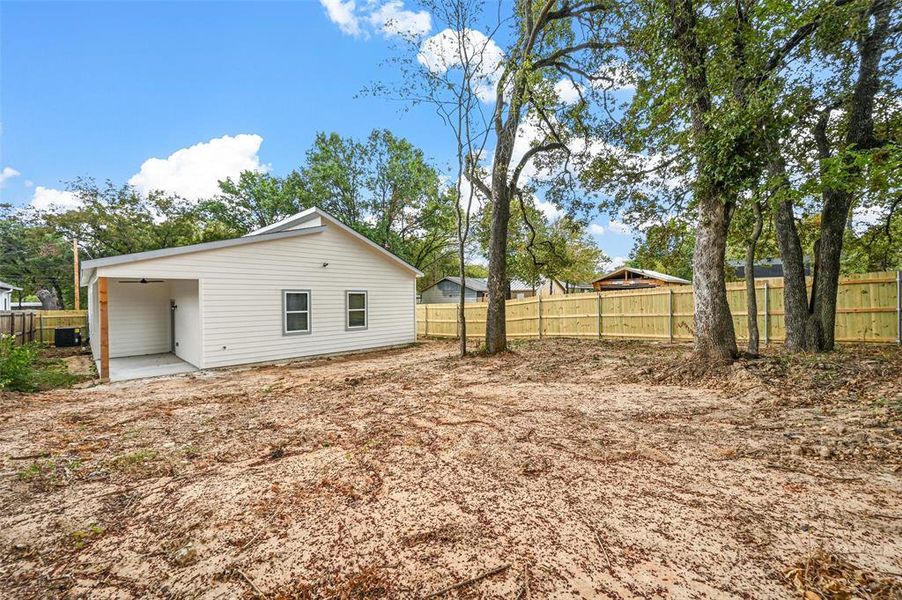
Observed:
{"x":750,"y":294}
{"x":811,"y":325}
{"x":496,"y":326}
{"x":714,"y":334}
{"x":461,"y":312}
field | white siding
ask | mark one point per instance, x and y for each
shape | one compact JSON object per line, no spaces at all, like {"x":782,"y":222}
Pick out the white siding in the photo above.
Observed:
{"x":241,"y":296}
{"x":139,"y":318}
{"x":94,"y":318}
{"x":188,"y":341}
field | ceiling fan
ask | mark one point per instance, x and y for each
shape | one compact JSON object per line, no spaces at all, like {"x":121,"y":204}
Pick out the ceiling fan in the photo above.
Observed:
{"x":144,"y":281}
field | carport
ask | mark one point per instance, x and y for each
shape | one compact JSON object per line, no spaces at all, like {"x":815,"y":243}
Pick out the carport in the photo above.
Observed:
{"x":147,"y":326}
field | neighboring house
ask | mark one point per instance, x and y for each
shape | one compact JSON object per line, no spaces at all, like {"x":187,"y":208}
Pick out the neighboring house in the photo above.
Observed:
{"x":763,"y":268}
{"x":305,"y":286}
{"x":628,"y":278}
{"x":447,"y":290}
{"x":6,"y":295}
{"x":551,"y":287}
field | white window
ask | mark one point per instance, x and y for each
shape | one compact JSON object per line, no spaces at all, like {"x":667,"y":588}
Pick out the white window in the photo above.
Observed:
{"x":356,"y":305}
{"x":296,"y":311}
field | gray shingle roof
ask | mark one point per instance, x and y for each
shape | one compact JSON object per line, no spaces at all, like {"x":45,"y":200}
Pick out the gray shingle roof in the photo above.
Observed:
{"x":478,"y":284}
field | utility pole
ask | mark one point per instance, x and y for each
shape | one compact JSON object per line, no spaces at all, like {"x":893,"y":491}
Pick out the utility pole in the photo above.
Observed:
{"x":75,"y":268}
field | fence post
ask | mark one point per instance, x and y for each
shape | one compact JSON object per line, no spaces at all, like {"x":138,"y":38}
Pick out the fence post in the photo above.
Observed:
{"x":540,"y":316}
{"x":426,"y":319}
{"x":670,"y":316}
{"x":899,"y":307}
{"x":598,"y":311}
{"x":766,"y":314}
{"x":41,"y":330}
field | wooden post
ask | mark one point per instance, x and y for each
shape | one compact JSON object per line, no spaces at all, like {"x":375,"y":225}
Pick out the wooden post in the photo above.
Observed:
{"x":766,"y":315}
{"x":670,"y":316}
{"x":899,"y":307}
{"x":426,"y":319}
{"x":103,"y":299}
{"x":540,"y":316}
{"x":598,"y":311}
{"x":41,"y":330}
{"x":77,"y":277}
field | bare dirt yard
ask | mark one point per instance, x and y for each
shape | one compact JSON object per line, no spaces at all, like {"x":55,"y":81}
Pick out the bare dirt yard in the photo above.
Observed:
{"x":562,"y":469}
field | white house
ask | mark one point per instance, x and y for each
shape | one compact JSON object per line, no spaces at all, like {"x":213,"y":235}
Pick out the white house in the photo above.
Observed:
{"x":305,"y":286}
{"x":6,"y":295}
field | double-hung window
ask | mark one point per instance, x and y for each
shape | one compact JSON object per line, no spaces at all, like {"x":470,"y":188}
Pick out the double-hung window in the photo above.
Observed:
{"x":356,"y":309}
{"x":296,"y":311}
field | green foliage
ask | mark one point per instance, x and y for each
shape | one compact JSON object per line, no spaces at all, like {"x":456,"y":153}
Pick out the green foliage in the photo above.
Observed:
{"x":539,"y":248}
{"x":254,"y":201}
{"x":23,"y":369}
{"x":114,"y":220}
{"x":666,"y":248}
{"x":385,"y":189}
{"x":33,"y":255}
{"x":17,"y":364}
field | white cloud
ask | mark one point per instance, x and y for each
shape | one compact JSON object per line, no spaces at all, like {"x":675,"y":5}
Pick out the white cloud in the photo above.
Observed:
{"x":567,"y":91}
{"x":551,"y":212}
{"x":49,"y":199}
{"x":596,"y":229}
{"x":6,"y":174}
{"x":614,"y":263}
{"x":344,"y":15}
{"x":442,"y":52}
{"x":195,"y":172}
{"x":615,"y":76}
{"x":865,"y":217}
{"x":620,"y":228}
{"x":393,"y":20}
{"x":28,"y":183}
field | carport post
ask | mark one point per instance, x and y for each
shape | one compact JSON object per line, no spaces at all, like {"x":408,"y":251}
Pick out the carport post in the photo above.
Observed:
{"x":103,"y":301}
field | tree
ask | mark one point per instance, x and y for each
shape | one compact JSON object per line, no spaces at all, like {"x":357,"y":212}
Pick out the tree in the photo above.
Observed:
{"x":255,"y":200}
{"x":112,"y":220}
{"x":846,"y":150}
{"x":385,"y":189}
{"x":539,"y":248}
{"x":449,"y":73}
{"x":665,"y":247}
{"x":554,"y":40}
{"x":35,"y":258}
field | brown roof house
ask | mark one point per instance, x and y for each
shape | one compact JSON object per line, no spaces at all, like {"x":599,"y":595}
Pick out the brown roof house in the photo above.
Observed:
{"x":628,"y":278}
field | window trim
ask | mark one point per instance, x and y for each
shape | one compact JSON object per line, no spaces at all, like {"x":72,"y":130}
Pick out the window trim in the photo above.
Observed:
{"x":366,"y":310}
{"x":309,"y":311}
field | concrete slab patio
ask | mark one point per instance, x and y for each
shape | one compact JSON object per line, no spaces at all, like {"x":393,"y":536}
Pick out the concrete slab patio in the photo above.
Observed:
{"x":148,"y":365}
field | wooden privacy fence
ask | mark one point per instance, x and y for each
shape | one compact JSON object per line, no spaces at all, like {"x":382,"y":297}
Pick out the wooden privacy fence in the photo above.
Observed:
{"x":41,"y":325}
{"x":868,"y":310}
{"x":19,"y":325}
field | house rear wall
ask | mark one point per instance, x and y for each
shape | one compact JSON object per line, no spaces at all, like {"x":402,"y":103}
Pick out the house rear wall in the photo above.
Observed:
{"x":241,"y":296}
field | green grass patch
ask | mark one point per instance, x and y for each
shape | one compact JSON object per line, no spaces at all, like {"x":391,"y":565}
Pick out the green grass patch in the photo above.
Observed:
{"x":82,"y":537}
{"x":24,"y":368}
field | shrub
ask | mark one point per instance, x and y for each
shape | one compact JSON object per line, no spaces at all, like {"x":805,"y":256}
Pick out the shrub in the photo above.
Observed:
{"x":17,"y":364}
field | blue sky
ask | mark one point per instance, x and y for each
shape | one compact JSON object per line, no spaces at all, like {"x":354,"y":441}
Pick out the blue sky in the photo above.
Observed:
{"x":99,"y":88}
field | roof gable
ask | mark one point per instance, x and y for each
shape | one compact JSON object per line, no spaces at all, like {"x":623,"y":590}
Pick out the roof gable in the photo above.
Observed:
{"x":282,"y":229}
{"x":305,"y":216}
{"x":643,"y":273}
